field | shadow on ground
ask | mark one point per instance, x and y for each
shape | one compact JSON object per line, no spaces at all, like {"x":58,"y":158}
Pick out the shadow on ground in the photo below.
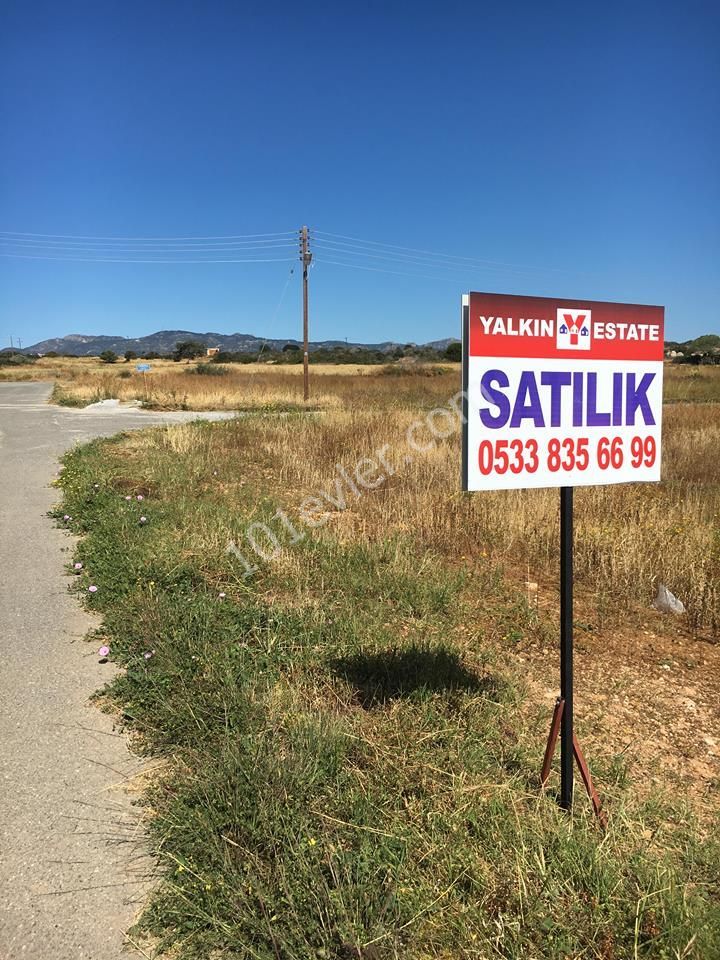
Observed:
{"x":391,"y":674}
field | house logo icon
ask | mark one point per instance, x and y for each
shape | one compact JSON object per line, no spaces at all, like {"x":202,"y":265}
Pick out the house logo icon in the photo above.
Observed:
{"x":574,"y":329}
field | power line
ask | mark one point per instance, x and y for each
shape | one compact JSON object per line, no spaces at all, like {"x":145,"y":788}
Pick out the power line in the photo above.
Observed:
{"x":28,"y":256}
{"x":78,"y":245}
{"x":369,"y":244}
{"x":465,"y":268}
{"x":239,"y":236}
{"x":397,"y":273}
{"x":282,"y":296}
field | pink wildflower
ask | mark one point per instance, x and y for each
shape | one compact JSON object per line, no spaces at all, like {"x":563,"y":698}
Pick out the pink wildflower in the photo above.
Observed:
{"x":92,"y":589}
{"x":103,"y":652}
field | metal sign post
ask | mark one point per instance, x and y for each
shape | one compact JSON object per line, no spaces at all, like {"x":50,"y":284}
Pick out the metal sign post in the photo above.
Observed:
{"x":143,"y":369}
{"x":566,"y":647}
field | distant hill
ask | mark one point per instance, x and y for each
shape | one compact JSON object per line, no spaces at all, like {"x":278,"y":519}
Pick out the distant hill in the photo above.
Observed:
{"x":708,"y":343}
{"x":164,"y":342}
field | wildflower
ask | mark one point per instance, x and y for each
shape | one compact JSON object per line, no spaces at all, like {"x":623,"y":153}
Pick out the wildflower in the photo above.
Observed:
{"x":221,"y":596}
{"x":78,"y":566}
{"x":148,"y":654}
{"x":312,"y":842}
{"x":143,"y":519}
{"x":140,"y":498}
{"x":104,"y":652}
{"x":128,"y":497}
{"x":96,"y":486}
{"x":67,"y":517}
{"x":92,"y":589}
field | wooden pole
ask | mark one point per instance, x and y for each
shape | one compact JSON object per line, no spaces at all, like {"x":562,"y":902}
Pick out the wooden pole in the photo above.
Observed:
{"x":306,"y":261}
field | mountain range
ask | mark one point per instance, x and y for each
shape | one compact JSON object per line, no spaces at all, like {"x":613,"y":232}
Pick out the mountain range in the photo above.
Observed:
{"x":163,"y":342}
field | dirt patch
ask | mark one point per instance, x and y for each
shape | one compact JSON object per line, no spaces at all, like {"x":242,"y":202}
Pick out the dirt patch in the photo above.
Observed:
{"x":652,"y":696}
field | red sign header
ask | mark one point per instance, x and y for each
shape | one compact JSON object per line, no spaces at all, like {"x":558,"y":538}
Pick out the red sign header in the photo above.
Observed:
{"x":504,"y":325}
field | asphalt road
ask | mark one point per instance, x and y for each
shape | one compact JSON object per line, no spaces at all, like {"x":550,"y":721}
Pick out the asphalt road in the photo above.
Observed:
{"x":72,"y":866}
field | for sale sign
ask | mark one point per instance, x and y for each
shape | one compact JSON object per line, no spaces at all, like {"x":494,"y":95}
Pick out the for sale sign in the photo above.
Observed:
{"x":560,"y":392}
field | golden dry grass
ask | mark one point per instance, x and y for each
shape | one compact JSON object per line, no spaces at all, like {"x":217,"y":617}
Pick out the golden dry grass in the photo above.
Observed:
{"x":178,"y":386}
{"x":629,"y":537}
{"x":172,"y":385}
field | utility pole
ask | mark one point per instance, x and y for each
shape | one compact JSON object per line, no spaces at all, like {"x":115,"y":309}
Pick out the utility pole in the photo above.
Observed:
{"x":306,"y":258}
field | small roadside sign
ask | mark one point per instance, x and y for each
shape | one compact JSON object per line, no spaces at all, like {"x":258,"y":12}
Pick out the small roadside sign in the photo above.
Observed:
{"x":560,"y":392}
{"x":143,"y":367}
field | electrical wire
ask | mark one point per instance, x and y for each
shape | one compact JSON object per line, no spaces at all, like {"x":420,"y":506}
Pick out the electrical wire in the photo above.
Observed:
{"x":413,"y":260}
{"x":61,"y":236}
{"x":21,"y":256}
{"x":282,"y":297}
{"x":318,"y":235}
{"x":78,"y":247}
{"x":397,"y":273}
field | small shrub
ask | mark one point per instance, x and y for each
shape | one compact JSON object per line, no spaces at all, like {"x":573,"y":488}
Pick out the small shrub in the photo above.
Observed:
{"x":10,"y":359}
{"x":209,"y":370}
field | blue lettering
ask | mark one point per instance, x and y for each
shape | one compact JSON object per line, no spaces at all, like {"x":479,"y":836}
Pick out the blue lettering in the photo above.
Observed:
{"x":594,"y":417}
{"x":527,"y":404}
{"x":636,"y":399}
{"x":617,"y":399}
{"x":577,"y":390}
{"x":556,"y":381}
{"x":490,"y":379}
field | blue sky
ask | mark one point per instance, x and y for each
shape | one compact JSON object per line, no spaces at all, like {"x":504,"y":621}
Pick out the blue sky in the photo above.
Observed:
{"x":576,"y":146}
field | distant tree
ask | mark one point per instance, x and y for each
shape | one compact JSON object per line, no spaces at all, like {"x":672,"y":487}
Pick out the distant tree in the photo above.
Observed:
{"x":290,"y":346}
{"x":130,"y":355}
{"x":52,"y":354}
{"x":108,"y":356}
{"x":453,"y":352}
{"x":708,"y":341}
{"x":188,"y":350}
{"x":11,"y":358}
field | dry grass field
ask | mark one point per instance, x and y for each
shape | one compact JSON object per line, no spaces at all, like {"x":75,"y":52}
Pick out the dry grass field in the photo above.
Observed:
{"x":351,"y":735}
{"x":170,"y":385}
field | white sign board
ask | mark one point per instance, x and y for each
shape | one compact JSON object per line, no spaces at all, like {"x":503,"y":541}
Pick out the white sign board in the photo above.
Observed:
{"x":560,"y":393}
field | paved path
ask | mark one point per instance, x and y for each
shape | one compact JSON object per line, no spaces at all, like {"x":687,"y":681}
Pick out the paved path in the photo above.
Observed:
{"x":72,"y":869}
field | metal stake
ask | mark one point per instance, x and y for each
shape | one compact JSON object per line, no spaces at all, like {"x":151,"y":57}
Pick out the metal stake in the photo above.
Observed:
{"x":566,"y":646}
